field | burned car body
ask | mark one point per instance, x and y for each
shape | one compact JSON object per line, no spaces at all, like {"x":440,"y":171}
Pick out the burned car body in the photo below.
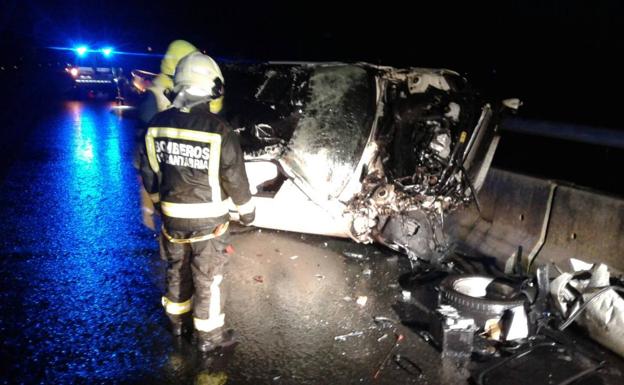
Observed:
{"x":362,"y":151}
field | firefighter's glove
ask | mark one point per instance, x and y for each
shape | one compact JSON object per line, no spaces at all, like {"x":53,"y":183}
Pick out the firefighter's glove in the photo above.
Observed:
{"x":247,"y":213}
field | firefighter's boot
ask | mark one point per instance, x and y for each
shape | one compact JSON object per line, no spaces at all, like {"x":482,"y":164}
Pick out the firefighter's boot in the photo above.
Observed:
{"x":209,"y":341}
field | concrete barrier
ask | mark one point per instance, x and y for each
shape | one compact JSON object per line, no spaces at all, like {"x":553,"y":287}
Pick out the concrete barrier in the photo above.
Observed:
{"x":549,"y":220}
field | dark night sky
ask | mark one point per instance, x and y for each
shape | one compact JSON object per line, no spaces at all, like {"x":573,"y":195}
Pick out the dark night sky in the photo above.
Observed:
{"x":560,"y":56}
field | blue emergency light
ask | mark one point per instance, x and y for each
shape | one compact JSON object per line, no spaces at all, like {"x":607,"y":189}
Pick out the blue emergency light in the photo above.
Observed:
{"x":81,"y":50}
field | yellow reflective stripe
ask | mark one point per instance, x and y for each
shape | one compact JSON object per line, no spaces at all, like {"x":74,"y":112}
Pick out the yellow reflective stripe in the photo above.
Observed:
{"x":196,"y":136}
{"x":177,"y":307}
{"x":216,"y":105}
{"x":219,"y":231}
{"x":216,"y":319}
{"x":194,"y":210}
{"x":151,"y":152}
{"x":155,"y":197}
{"x":246,"y":208}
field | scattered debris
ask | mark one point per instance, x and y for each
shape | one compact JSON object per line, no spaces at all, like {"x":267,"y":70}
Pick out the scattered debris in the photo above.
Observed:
{"x":361,"y":300}
{"x":408,"y":366}
{"x":345,"y":336}
{"x":367,"y":272}
{"x":382,"y":337}
{"x":453,"y":333}
{"x":397,"y":341}
{"x":258,"y":278}
{"x":383,"y":319}
{"x":514,"y":324}
{"x":319,"y":276}
{"x":481,"y":297}
{"x":347,"y":298}
{"x":229,"y":249}
{"x":353,"y":255}
{"x":588,"y":298}
{"x":294,"y":257}
{"x":578,"y":265}
{"x":425,"y":335}
{"x":492,"y":329}
{"x":407,"y":295}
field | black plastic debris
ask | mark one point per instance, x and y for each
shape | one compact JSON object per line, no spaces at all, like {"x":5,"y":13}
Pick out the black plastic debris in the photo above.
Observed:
{"x":453,"y":333}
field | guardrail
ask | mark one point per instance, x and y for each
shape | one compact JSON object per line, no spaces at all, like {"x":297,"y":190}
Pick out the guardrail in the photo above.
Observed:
{"x":551,"y":222}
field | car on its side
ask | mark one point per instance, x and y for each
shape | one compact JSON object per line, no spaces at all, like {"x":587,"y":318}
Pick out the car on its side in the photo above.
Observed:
{"x":363,"y":151}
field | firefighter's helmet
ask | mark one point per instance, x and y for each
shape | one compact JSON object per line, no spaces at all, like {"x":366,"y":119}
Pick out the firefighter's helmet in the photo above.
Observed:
{"x":199,"y":75}
{"x":175,"y":52}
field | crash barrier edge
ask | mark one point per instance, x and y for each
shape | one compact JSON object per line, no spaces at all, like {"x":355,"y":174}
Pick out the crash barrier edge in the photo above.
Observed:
{"x":515,"y":211}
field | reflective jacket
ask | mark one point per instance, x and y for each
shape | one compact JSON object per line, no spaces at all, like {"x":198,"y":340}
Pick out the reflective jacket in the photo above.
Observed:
{"x":192,"y":162}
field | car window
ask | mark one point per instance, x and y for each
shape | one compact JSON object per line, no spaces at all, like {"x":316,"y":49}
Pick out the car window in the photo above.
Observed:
{"x":335,"y":123}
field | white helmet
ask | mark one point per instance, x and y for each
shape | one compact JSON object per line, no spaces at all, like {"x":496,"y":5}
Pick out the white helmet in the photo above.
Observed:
{"x":197,"y":74}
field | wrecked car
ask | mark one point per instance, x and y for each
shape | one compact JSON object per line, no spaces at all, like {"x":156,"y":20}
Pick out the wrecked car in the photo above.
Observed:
{"x":374,"y":153}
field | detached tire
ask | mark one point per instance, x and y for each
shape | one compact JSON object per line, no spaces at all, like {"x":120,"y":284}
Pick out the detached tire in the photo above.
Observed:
{"x":475,"y":296}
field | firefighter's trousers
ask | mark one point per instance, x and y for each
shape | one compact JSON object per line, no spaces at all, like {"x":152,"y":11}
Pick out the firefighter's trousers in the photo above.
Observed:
{"x":195,"y":277}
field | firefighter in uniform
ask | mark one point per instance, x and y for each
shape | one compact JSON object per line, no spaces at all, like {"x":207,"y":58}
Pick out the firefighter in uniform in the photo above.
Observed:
{"x":157,"y":95}
{"x":192,"y":163}
{"x":155,"y":99}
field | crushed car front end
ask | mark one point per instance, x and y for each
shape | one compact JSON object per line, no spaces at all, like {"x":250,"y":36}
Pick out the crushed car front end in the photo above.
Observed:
{"x":436,"y":138}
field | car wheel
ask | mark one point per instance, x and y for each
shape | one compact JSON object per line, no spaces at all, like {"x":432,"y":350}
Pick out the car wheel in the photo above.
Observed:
{"x":479,"y":297}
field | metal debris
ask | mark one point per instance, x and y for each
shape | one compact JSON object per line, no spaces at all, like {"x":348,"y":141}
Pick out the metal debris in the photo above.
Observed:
{"x":294,"y":257}
{"x":353,"y":255}
{"x":319,"y":276}
{"x":367,"y":272}
{"x":408,"y":366}
{"x":345,"y":336}
{"x":380,"y":319}
{"x":361,"y":300}
{"x":397,"y":341}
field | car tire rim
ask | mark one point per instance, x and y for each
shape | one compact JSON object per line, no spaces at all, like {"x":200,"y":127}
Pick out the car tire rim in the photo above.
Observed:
{"x":475,"y":287}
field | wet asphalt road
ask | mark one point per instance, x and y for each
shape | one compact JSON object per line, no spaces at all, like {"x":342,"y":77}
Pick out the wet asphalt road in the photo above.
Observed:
{"x":81,"y":280}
